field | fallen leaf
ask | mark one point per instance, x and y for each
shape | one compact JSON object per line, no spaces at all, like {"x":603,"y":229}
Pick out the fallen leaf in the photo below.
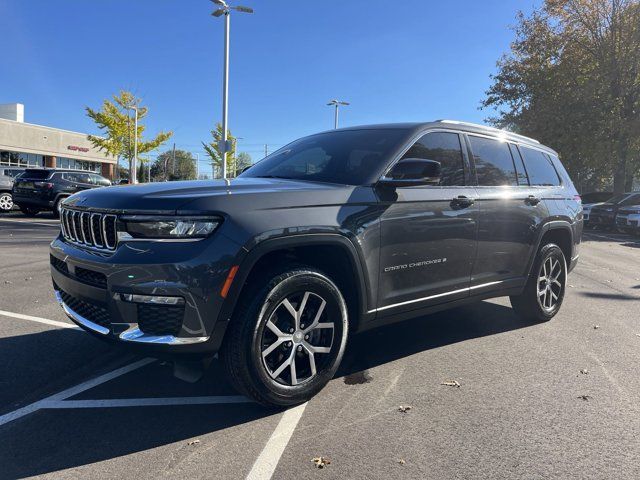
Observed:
{"x":8,"y":282}
{"x":586,"y":398}
{"x":637,"y":334}
{"x":451,"y":383}
{"x":193,"y":442}
{"x":401,"y":461}
{"x":28,"y":278}
{"x":321,"y":462}
{"x":570,"y":286}
{"x":584,"y":371}
{"x":404,"y":408}
{"x":595,"y":327}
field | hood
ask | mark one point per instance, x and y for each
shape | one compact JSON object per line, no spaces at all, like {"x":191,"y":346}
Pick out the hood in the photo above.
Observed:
{"x":203,"y":195}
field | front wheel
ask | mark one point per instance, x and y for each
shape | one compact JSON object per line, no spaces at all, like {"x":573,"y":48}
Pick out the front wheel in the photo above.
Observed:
{"x":6,"y":202}
{"x":287,"y":337}
{"x":543,"y":294}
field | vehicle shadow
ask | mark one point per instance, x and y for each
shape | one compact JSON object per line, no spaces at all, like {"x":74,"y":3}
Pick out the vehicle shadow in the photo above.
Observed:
{"x":622,"y":239}
{"x":54,"y":440}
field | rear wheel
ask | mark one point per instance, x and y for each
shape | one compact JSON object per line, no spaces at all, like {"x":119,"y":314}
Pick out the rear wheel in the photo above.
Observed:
{"x":542,"y":296}
{"x":29,"y":211}
{"x":6,"y":202}
{"x":287,"y":337}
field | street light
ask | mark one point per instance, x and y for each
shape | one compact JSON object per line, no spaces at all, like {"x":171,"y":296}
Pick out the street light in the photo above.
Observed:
{"x":133,"y":174}
{"x":226,"y":11}
{"x":337,"y":104}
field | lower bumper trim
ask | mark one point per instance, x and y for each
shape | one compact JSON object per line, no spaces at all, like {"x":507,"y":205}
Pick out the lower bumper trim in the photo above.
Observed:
{"x":133,"y":334}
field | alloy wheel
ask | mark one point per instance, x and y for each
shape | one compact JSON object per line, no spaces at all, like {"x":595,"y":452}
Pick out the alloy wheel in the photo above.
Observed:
{"x":549,"y":283}
{"x":6,"y":202}
{"x":297,"y":339}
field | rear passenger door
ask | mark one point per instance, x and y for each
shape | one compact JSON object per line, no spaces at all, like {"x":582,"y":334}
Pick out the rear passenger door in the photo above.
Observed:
{"x":428,"y":232}
{"x":510,"y":212}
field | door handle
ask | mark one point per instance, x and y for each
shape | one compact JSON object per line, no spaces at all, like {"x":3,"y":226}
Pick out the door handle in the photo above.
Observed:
{"x":532,"y":200}
{"x":462,"y":202}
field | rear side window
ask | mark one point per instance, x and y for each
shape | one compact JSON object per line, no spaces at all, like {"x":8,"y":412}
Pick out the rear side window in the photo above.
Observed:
{"x":539,"y":167}
{"x":37,"y":174}
{"x":494,"y":164}
{"x":444,"y":148}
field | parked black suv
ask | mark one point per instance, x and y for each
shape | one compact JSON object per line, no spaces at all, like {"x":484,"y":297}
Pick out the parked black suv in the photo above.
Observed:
{"x":334,"y":233}
{"x":6,"y":199}
{"x":40,"y":189}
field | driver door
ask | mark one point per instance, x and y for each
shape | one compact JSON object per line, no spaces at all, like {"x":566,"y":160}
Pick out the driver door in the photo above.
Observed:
{"x":428,"y":232}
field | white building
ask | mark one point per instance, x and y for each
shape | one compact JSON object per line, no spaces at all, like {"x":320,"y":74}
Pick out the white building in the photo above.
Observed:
{"x":27,"y":145}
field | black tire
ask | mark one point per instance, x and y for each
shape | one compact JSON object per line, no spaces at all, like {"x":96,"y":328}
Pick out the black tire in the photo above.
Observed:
{"x":29,"y":211}
{"x":247,"y":335}
{"x":6,"y":202}
{"x":529,"y":304}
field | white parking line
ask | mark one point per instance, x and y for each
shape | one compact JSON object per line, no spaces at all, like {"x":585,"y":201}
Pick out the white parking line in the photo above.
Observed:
{"x":146,"y":402}
{"x":46,"y":321}
{"x":267,"y":462}
{"x":54,"y":223}
{"x":70,"y":392}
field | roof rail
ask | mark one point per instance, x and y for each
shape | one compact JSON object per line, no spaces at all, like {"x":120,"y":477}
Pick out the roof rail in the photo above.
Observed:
{"x":493,"y":129}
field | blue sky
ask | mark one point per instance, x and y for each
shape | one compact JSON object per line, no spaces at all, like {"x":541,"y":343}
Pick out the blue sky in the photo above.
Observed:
{"x":407,"y":60}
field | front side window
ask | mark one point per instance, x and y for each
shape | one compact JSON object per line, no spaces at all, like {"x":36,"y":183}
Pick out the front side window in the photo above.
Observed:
{"x":444,"y":148}
{"x":350,"y":157}
{"x":539,"y":167}
{"x":493,"y":161}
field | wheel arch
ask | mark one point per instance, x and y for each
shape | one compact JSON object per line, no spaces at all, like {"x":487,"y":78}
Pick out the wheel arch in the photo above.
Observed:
{"x":333,"y":254}
{"x":559,"y":232}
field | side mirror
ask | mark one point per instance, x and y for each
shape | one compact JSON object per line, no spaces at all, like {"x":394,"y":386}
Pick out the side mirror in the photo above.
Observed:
{"x":410,"y":172}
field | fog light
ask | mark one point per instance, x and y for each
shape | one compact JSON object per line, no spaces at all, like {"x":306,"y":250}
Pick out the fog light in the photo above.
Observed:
{"x":155,"y":299}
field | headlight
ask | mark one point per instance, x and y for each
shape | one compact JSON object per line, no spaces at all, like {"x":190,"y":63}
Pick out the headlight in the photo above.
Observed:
{"x":139,"y":226}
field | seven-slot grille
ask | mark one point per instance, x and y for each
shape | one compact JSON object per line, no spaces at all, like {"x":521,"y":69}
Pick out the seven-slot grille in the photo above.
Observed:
{"x":97,"y":230}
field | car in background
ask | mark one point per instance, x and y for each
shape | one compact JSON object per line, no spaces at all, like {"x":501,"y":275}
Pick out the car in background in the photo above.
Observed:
{"x":590,"y":199}
{"x":40,"y":189}
{"x":603,"y":215}
{"x":12,"y":172}
{"x":6,"y":197}
{"x":628,"y":219}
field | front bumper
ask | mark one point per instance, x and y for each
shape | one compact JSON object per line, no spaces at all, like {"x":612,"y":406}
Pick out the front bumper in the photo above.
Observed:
{"x":629,"y":222}
{"x":94,"y":290}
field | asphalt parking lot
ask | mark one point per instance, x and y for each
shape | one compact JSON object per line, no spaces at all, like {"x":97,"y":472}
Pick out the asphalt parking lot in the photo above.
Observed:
{"x":553,"y":400}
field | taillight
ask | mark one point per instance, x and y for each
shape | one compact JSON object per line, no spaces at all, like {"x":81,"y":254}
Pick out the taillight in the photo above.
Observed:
{"x":577,"y":198}
{"x":45,"y":185}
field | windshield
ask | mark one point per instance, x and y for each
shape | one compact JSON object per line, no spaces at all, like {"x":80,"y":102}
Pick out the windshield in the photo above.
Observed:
{"x":350,"y":157}
{"x":618,"y":198}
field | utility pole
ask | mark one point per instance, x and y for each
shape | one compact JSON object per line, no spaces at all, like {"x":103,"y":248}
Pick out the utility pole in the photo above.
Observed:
{"x":266,"y":150}
{"x":197,"y":166}
{"x":226,"y":11}
{"x":133,"y":173}
{"x":336,"y":104}
{"x":174,"y":159}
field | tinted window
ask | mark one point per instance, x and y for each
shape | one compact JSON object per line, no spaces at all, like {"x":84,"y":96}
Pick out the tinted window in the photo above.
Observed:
{"x":350,"y":157}
{"x":521,"y":172}
{"x":539,"y":167}
{"x":98,"y":180}
{"x":632,"y":200}
{"x":444,"y":148}
{"x":494,"y":164}
{"x":37,"y":174}
{"x":596,"y":197}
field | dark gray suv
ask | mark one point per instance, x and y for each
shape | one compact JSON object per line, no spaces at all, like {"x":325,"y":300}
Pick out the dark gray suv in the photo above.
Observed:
{"x":333,"y":234}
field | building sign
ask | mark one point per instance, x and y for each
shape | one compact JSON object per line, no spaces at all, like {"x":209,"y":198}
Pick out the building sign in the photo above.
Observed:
{"x":76,"y":148}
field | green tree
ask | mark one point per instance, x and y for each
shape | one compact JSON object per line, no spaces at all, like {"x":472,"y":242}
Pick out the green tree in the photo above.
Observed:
{"x":213,"y":151}
{"x":115,"y":120}
{"x":164,"y":168}
{"x":242,"y":161}
{"x":572,"y":80}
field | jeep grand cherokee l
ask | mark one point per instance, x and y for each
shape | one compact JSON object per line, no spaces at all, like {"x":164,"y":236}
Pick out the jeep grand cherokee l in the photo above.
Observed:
{"x":332,"y":234}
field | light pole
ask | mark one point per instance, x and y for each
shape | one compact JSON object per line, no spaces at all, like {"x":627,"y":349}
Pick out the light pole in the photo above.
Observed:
{"x":226,"y":11}
{"x":337,"y":104}
{"x":133,"y":174}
